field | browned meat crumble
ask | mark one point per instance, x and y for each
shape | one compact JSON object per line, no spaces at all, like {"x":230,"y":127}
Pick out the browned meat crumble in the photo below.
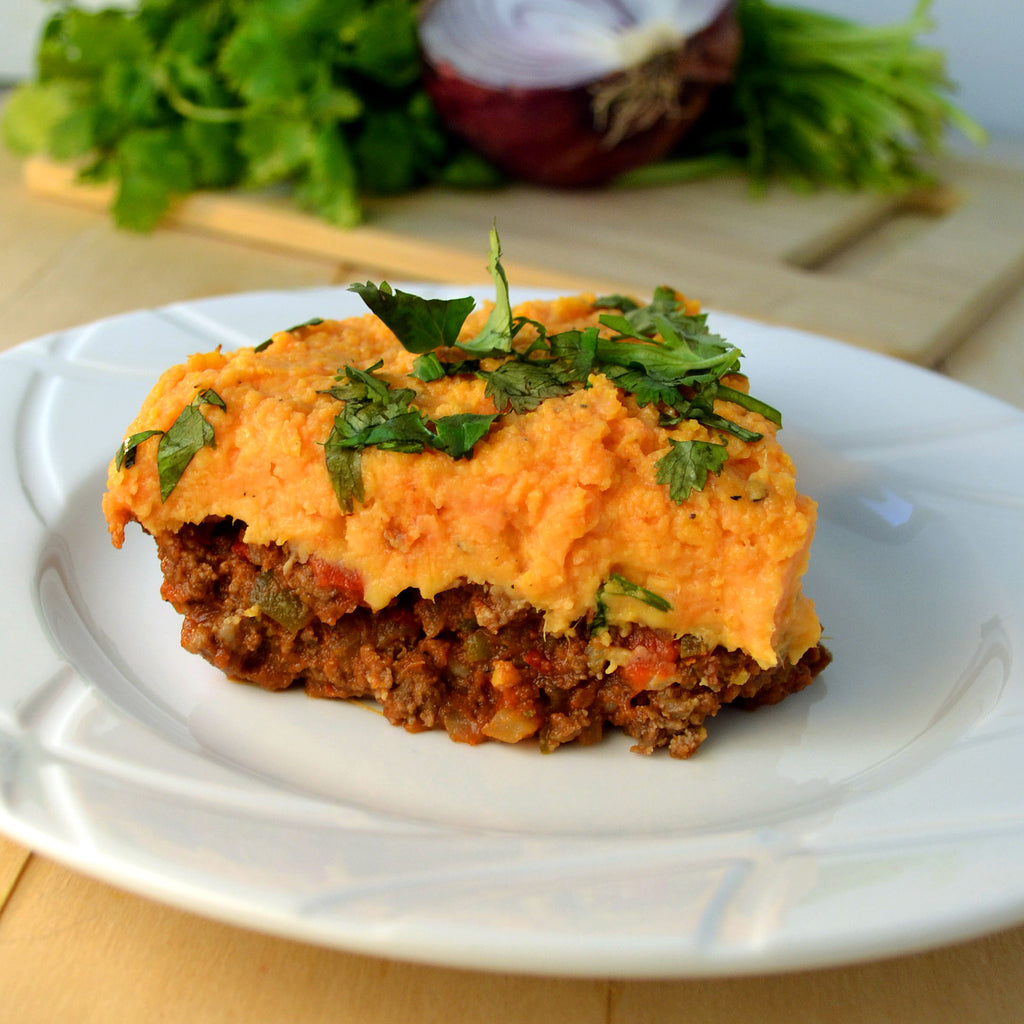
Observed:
{"x":469,"y":661}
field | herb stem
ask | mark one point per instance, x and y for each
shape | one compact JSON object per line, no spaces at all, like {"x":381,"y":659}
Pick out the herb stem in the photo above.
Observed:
{"x":182,"y":105}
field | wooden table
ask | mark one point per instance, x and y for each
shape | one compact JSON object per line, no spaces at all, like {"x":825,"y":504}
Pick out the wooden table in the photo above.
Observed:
{"x":74,"y":949}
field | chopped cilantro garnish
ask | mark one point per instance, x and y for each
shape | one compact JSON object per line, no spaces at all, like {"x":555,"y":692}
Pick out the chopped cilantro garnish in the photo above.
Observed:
{"x":496,"y":336}
{"x":427,"y":367}
{"x":186,"y":435}
{"x":312,"y":322}
{"x":687,"y":464}
{"x":375,"y":415}
{"x":660,"y":354}
{"x":421,"y":325}
{"x":178,"y":444}
{"x":458,"y":434}
{"x":619,"y":586}
{"x":345,"y":471}
{"x":523,"y":384}
{"x":125,"y":455}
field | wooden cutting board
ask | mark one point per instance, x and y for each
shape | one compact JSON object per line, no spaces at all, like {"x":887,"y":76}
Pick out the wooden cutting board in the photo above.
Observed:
{"x":910,"y":275}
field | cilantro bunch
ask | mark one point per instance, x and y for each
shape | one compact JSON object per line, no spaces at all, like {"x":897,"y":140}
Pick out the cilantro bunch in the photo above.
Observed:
{"x":175,"y":96}
{"x":326,"y":97}
{"x":823,"y":101}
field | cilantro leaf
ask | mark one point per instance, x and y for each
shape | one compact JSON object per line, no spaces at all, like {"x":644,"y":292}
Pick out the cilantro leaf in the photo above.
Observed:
{"x":376,"y":415}
{"x":399,"y":432}
{"x":125,"y":454}
{"x":153,"y":168}
{"x":260,"y":58}
{"x":458,"y":434}
{"x":329,"y":184}
{"x":496,"y":335}
{"x":741,"y":398}
{"x":675,"y":356}
{"x":523,"y":385}
{"x":344,"y":468}
{"x":421,"y":325}
{"x":427,"y":367}
{"x":34,"y":115}
{"x":687,"y":464}
{"x":187,"y":435}
{"x":638,"y":320}
{"x":380,"y":41}
{"x":212,"y":152}
{"x":616,"y":301}
{"x":644,"y":387}
{"x":390,"y":151}
{"x":275,"y":149}
{"x":617,"y":585}
{"x":578,"y":350}
{"x":314,"y":321}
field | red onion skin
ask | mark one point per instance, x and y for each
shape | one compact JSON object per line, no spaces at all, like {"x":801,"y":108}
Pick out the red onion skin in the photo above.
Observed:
{"x":548,"y":137}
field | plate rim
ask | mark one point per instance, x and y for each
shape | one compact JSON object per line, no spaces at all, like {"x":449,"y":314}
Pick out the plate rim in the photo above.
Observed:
{"x":465,"y":952}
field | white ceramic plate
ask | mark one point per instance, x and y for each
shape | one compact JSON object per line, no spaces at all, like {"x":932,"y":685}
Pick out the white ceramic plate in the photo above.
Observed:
{"x":879,"y":811}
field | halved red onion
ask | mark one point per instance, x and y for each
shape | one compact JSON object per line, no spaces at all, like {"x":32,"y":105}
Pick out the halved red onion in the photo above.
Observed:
{"x":573,"y":92}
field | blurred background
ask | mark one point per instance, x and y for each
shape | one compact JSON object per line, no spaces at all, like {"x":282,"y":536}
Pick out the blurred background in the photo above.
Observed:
{"x":983,"y":40}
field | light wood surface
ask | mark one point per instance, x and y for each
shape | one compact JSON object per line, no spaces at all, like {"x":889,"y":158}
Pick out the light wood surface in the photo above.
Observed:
{"x":75,"y":949}
{"x":910,"y":275}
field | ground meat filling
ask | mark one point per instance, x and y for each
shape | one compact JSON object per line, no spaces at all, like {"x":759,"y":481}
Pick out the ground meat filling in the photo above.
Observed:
{"x":470,"y":661}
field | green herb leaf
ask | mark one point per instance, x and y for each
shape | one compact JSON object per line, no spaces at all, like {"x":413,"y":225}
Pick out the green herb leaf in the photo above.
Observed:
{"x":741,"y":398}
{"x":617,"y":301}
{"x":187,"y":435}
{"x":578,"y":350}
{"x":344,"y":470}
{"x":154,"y":169}
{"x":329,"y":185}
{"x":523,"y":385}
{"x":35,"y":114}
{"x":617,"y":585}
{"x":427,"y":367}
{"x":380,"y":42}
{"x":458,"y":434}
{"x":496,"y":336}
{"x":687,"y":464}
{"x":125,"y":454}
{"x":312,"y":322}
{"x":379,"y":416}
{"x":421,"y":325}
{"x":404,"y":431}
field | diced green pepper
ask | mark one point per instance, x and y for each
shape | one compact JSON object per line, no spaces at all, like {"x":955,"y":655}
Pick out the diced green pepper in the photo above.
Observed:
{"x":283,"y":606}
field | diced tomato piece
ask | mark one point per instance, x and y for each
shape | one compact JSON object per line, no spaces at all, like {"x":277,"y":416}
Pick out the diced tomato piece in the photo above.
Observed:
{"x":639,"y":672}
{"x":336,"y":577}
{"x":654,"y":657}
{"x":536,"y":660}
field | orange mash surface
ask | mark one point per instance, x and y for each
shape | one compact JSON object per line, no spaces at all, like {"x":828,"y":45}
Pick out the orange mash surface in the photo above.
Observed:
{"x":550,"y":505}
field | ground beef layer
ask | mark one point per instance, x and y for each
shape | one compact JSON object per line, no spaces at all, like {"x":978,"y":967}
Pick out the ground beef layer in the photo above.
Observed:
{"x":469,"y":661}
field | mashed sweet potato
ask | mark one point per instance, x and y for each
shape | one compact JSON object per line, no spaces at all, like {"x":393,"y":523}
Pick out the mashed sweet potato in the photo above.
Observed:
{"x":552,"y":503}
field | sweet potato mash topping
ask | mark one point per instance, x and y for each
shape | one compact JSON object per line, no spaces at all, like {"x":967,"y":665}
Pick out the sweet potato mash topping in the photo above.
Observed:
{"x":545,"y":507}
